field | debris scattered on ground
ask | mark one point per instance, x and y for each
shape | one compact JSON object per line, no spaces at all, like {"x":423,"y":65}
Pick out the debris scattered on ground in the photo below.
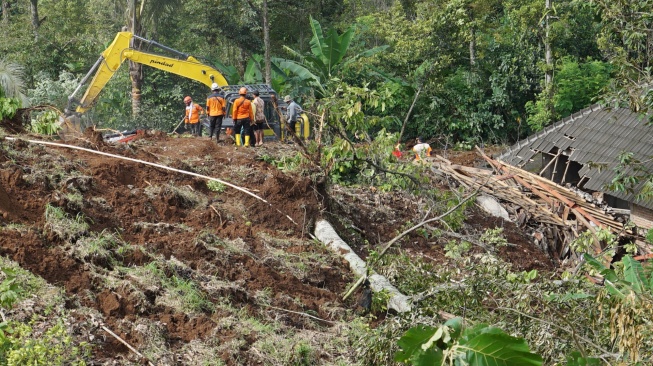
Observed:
{"x":554,"y":215}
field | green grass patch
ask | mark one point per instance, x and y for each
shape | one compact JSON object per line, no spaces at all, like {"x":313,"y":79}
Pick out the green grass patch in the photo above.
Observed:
{"x":67,"y":228}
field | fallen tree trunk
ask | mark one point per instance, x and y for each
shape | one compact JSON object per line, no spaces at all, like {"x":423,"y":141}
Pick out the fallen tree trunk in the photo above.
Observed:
{"x":328,"y":236}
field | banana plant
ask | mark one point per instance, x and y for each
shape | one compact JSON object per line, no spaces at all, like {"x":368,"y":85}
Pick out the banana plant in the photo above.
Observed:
{"x":254,"y":73}
{"x":630,"y":303}
{"x":326,"y":59}
{"x":635,"y":279}
{"x":450,"y":344}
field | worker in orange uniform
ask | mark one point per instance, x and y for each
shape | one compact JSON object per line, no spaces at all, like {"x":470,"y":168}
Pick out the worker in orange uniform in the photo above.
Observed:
{"x":192,"y":119}
{"x":243,"y":115}
{"x":421,"y":149}
{"x":215,"y":108}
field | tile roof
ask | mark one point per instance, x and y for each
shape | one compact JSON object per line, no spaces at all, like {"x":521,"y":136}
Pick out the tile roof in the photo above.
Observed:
{"x":595,"y":135}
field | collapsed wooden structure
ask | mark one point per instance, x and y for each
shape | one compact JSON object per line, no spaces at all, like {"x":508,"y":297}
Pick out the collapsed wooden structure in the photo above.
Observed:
{"x":555,"y":215}
{"x":584,"y":151}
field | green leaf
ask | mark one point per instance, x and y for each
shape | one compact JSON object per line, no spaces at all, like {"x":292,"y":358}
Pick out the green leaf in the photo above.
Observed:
{"x":489,"y":346}
{"x":456,"y":325}
{"x":253,"y":72}
{"x":575,"y":359}
{"x":411,"y":344}
{"x":430,"y":357}
{"x":634,"y":273}
{"x":302,"y":72}
{"x":318,"y":45}
{"x":607,"y":273}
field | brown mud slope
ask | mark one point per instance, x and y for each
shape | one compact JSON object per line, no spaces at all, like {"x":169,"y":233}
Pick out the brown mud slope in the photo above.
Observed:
{"x":132,"y":234}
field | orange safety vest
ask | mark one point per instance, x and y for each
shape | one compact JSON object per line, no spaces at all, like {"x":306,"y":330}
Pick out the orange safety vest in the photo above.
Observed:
{"x":242,"y":109}
{"x":215,"y":106}
{"x":195,"y":117}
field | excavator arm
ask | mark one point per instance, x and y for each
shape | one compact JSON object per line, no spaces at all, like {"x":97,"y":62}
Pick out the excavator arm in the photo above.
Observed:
{"x":121,"y":50}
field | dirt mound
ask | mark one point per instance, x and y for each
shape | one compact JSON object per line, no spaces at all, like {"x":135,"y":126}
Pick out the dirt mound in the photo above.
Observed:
{"x":169,"y":262}
{"x":16,"y":124}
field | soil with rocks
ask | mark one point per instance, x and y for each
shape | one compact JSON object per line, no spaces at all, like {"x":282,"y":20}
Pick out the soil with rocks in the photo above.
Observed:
{"x":239,"y":248}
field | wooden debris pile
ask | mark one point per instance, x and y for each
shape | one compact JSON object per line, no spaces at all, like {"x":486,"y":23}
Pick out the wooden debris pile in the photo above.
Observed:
{"x":554,"y":214}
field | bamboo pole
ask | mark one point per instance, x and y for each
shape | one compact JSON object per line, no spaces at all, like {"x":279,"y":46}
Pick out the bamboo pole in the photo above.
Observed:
{"x":551,"y":162}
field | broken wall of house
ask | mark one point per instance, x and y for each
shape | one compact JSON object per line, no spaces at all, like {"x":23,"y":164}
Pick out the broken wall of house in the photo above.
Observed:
{"x":642,"y":217}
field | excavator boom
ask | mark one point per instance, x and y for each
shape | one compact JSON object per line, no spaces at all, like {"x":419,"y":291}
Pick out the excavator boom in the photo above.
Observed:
{"x":182,"y":64}
{"x":121,"y":50}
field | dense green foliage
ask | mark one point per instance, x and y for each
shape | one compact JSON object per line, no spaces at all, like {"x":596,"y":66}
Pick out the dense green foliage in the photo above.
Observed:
{"x":478,"y":64}
{"x":475,"y":71}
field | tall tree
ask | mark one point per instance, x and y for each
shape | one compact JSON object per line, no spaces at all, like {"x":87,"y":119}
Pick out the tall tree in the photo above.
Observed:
{"x":626,"y":39}
{"x":142,"y":17}
{"x":548,"y":60}
{"x":266,"y":43}
{"x":548,"y":53}
{"x":36,"y":21}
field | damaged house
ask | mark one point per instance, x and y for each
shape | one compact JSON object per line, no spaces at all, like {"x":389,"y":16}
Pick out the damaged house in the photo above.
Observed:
{"x":570,"y":152}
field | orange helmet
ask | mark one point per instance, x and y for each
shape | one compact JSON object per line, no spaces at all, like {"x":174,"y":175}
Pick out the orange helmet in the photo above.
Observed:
{"x":242,"y":91}
{"x":187,"y":99}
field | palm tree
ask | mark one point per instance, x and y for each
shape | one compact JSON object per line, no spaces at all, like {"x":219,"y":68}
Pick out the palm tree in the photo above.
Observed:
{"x":11,"y":80}
{"x":12,"y":85}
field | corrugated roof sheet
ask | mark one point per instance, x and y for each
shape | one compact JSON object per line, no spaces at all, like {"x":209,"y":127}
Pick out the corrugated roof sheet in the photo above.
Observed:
{"x":595,"y":134}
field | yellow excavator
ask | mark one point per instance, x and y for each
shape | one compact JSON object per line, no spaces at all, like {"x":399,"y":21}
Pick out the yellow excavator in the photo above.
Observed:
{"x":181,"y":64}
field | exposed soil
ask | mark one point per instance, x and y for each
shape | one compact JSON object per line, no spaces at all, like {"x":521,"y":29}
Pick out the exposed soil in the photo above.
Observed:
{"x":144,"y":207}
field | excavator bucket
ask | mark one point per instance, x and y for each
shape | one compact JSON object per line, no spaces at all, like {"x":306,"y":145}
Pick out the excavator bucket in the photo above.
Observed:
{"x":71,"y":127}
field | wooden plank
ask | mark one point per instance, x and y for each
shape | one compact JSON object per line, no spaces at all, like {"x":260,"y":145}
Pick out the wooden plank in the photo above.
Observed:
{"x":555,"y":158}
{"x":545,"y":186}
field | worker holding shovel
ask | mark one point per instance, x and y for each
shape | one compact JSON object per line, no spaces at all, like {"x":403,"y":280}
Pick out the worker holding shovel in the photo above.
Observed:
{"x":192,"y":118}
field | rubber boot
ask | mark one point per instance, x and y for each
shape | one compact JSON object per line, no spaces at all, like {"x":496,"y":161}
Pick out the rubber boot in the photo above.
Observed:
{"x":237,"y":139}
{"x":247,"y":140}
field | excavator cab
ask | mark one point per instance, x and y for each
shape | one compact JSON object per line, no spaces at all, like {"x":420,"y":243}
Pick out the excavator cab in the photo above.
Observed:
{"x":274,"y":108}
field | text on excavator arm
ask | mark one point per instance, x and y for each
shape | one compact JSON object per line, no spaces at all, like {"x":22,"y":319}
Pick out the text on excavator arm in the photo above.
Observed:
{"x":121,"y":50}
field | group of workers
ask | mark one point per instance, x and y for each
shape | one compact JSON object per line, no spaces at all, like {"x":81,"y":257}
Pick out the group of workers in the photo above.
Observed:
{"x":248,"y":115}
{"x":421,"y":150}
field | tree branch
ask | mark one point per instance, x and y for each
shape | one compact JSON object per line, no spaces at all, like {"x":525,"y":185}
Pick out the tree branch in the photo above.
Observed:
{"x":389,"y":244}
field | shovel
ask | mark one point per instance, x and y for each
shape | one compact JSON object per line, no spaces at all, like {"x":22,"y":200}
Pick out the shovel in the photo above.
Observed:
{"x":174,"y":130}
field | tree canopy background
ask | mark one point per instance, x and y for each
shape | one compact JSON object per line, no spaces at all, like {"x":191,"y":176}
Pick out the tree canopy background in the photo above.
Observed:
{"x":479,"y":65}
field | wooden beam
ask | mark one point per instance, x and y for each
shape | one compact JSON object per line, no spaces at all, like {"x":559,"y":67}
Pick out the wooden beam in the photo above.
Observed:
{"x":572,"y":205}
{"x":564,"y":175}
{"x":555,"y":167}
{"x":549,"y":163}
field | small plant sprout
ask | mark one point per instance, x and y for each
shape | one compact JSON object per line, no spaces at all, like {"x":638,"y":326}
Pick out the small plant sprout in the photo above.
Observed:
{"x":215,"y":186}
{"x":494,"y":237}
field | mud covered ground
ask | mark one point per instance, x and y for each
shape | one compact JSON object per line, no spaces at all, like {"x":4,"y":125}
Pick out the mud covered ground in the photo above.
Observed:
{"x":190,"y":275}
